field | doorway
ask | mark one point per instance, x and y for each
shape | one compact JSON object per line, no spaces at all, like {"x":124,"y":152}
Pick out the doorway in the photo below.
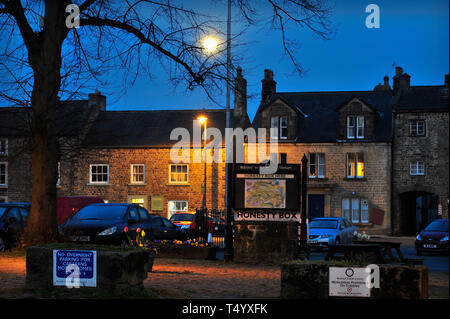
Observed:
{"x":316,"y":205}
{"x":417,"y":210}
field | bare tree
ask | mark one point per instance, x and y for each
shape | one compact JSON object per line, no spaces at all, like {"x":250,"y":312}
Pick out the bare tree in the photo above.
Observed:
{"x":44,"y":61}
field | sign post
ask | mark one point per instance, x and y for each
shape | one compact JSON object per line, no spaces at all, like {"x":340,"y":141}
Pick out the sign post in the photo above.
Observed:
{"x":304,"y":251}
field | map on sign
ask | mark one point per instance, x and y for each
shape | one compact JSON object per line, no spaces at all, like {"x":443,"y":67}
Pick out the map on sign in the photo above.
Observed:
{"x":265,"y":193}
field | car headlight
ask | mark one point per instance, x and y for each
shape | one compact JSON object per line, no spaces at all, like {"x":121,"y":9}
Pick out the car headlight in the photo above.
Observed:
{"x":108,"y":231}
{"x":445,"y":238}
{"x":184,"y":226}
{"x":325,"y":236}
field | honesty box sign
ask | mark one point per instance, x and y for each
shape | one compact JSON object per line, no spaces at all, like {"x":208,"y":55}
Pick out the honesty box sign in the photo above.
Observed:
{"x":75,"y":268}
{"x":348,"y":282}
{"x":268,"y":216}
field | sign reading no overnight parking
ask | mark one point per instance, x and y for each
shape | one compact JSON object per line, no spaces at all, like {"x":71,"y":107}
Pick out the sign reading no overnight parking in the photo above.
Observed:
{"x":75,"y":268}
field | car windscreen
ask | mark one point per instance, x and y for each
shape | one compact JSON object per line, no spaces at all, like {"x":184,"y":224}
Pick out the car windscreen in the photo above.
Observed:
{"x":182,"y":218}
{"x":440,"y":226}
{"x":100,"y":212}
{"x":323,"y":223}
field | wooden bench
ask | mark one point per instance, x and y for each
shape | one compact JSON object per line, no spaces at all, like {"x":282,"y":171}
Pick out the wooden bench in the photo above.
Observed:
{"x":358,"y":252}
{"x":388,"y":248}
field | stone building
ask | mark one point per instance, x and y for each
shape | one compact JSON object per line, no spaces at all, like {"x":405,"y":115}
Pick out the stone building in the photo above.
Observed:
{"x":346,"y":137}
{"x":420,"y":165}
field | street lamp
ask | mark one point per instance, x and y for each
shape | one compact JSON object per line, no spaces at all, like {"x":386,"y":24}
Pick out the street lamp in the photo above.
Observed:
{"x":210,"y":44}
{"x":202,"y":120}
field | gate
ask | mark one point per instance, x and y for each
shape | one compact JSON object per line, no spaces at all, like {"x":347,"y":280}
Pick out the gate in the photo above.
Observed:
{"x":210,"y":221}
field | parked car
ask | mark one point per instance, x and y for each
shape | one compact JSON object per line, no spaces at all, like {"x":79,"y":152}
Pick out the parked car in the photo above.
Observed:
{"x":434,"y":238}
{"x":105,"y":224}
{"x":326,"y":231}
{"x":12,"y":223}
{"x":69,"y":205}
{"x":192,"y":223}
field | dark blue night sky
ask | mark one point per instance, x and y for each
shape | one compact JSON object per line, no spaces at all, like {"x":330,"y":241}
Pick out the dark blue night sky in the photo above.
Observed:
{"x":412,"y":34}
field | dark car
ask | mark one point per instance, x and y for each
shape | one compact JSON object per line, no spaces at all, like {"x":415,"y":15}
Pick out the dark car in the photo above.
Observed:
{"x":12,"y":223}
{"x":105,"y":224}
{"x":434,"y":238}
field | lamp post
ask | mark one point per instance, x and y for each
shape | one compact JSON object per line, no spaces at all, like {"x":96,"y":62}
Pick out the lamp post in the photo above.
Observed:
{"x":202,"y":120}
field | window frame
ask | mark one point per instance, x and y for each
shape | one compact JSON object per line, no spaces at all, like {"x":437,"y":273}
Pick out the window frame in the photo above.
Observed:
{"x":358,"y":212}
{"x":5,"y":185}
{"x":4,"y":143}
{"x":356,"y":157}
{"x":413,"y":123}
{"x":415,"y":171}
{"x":360,"y":123}
{"x":285,"y":126}
{"x":319,"y":162}
{"x":353,"y":117}
{"x":179,"y":182}
{"x":132,"y":174}
{"x":97,"y":182}
{"x":175,"y":201}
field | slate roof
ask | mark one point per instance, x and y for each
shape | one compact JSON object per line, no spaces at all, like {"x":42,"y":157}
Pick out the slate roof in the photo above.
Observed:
{"x":423,"y":98}
{"x":133,"y":129}
{"x":319,"y":122}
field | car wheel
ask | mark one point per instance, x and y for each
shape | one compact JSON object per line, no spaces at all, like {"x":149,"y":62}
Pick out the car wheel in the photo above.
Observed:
{"x":337,"y":241}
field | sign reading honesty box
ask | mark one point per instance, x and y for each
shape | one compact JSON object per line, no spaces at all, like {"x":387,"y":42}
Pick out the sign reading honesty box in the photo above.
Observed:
{"x":75,"y":268}
{"x":348,"y":282}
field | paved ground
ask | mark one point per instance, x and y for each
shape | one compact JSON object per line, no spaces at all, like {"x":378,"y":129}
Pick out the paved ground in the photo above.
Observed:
{"x":176,"y":278}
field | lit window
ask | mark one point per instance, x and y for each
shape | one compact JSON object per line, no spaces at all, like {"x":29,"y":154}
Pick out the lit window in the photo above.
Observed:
{"x":316,"y":165}
{"x":355,"y":165}
{"x":99,"y":174}
{"x":177,"y":206}
{"x":137,"y":173}
{"x":178,"y":173}
{"x":417,"y":168}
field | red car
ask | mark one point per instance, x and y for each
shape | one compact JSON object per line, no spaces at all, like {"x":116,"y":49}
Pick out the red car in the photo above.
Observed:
{"x":434,"y":238}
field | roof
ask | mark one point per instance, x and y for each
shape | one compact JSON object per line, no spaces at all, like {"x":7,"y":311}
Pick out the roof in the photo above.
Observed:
{"x":319,"y":122}
{"x":423,"y":98}
{"x":137,"y":129}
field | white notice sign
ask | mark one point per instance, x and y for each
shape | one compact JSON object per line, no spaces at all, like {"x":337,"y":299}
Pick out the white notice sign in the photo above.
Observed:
{"x":348,"y":282}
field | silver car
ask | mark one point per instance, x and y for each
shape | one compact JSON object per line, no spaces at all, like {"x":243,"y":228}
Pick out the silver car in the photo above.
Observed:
{"x":326,"y":231}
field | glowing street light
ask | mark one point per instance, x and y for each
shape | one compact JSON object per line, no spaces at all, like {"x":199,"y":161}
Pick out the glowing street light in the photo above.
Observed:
{"x":210,"y":44}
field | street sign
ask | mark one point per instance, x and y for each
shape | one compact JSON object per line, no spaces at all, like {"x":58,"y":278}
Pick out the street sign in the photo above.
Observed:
{"x":348,"y":282}
{"x":75,"y":268}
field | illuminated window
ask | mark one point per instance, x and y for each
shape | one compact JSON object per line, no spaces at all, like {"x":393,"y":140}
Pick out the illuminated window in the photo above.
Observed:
{"x":177,"y":206}
{"x":355,"y":165}
{"x":99,"y":174}
{"x":137,"y":173}
{"x":3,"y":174}
{"x":178,"y":173}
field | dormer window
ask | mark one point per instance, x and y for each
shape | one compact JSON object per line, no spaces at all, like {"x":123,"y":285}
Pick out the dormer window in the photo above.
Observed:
{"x":355,"y":127}
{"x":278,"y":127}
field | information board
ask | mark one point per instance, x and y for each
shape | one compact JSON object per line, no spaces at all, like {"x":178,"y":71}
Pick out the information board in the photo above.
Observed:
{"x":348,"y":282}
{"x":75,"y":268}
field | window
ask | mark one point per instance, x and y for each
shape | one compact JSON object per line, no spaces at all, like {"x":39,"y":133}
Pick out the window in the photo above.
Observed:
{"x":417,"y":168}
{"x":176,"y":206}
{"x":58,"y":182}
{"x":3,"y":146}
{"x":316,"y":165}
{"x":417,"y":128}
{"x":137,"y":173}
{"x":143,"y":215}
{"x":278,"y":127}
{"x":99,"y":174}
{"x":3,"y":199}
{"x":356,"y":210}
{"x":355,"y":126}
{"x":355,"y":165}
{"x":3,"y":174}
{"x":178,"y":173}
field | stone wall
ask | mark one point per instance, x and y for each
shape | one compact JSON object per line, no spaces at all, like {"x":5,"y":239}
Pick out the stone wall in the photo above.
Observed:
{"x":265,"y":242}
{"x":310,"y":280}
{"x":432,"y":149}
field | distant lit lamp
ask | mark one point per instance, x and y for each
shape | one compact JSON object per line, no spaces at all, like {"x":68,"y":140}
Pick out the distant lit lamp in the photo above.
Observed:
{"x":210,"y":44}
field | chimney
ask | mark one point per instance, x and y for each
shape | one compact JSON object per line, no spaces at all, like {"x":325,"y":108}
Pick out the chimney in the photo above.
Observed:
{"x":97,"y":99}
{"x":269,"y":86}
{"x":240,"y":95}
{"x":383,"y":87}
{"x":401,"y":81}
